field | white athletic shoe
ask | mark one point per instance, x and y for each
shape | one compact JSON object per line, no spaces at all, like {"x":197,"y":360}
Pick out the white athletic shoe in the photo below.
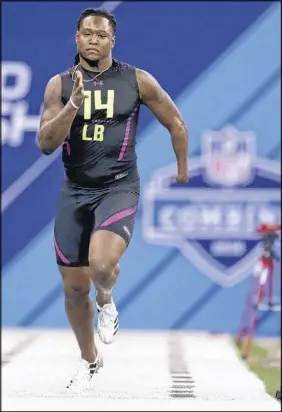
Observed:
{"x":107,"y":322}
{"x":84,"y":374}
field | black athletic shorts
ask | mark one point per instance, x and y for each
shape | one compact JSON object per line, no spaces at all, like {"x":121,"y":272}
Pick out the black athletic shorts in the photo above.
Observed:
{"x":82,"y":211}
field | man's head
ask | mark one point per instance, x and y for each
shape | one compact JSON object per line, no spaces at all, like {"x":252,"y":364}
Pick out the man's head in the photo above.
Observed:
{"x":95,"y":36}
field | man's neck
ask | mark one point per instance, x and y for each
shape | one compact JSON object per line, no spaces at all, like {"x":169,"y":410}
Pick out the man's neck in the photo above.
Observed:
{"x":98,"y":66}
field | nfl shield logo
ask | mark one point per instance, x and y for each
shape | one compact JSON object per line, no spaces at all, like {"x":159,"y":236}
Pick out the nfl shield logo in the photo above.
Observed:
{"x":213,"y":218}
{"x":228,"y":156}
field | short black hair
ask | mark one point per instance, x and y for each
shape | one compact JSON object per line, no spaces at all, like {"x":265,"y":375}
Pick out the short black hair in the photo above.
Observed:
{"x":95,"y":12}
{"x":98,"y":12}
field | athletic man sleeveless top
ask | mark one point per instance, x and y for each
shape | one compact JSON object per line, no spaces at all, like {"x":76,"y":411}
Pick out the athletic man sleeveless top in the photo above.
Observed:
{"x":101,"y":145}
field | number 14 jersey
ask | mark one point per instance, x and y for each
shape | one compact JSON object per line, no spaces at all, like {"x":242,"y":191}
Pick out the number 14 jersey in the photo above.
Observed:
{"x":101,"y":145}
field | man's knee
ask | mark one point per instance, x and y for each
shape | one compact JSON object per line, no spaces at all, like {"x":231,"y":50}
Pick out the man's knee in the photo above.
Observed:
{"x":102,"y":268}
{"x":77,"y":283}
{"x":76,"y":292}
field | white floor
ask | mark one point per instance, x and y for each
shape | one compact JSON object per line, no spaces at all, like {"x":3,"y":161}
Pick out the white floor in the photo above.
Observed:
{"x":139,"y":372}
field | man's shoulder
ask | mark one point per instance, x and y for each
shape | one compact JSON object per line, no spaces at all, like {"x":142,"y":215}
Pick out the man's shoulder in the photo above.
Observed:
{"x":67,"y":72}
{"x":122,"y":66}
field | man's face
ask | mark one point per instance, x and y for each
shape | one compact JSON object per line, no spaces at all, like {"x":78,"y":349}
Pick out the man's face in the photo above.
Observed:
{"x":95,"y":38}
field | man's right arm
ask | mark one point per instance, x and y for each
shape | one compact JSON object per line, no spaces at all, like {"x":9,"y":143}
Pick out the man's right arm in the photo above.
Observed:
{"x":56,"y":119}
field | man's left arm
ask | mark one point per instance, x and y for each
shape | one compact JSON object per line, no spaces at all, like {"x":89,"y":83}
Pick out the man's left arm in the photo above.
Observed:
{"x":161,"y":105}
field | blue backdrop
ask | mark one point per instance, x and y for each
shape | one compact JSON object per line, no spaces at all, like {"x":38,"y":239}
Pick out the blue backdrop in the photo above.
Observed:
{"x":189,"y":263}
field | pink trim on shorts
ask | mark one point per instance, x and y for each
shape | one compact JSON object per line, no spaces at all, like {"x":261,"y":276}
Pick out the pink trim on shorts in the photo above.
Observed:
{"x":60,"y":254}
{"x":117,"y":216}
